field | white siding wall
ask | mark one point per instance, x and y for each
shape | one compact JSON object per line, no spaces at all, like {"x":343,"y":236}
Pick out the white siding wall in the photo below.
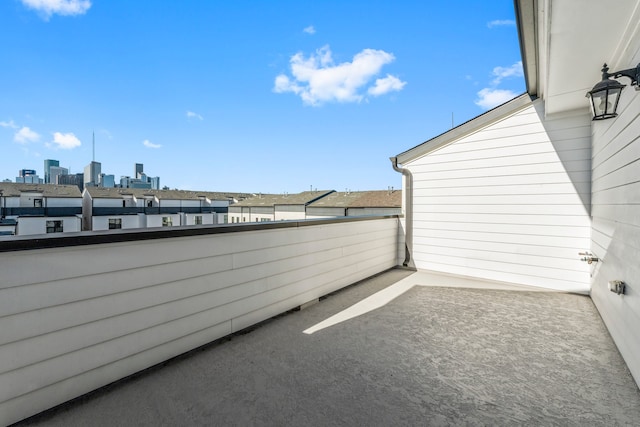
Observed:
{"x":156,"y":220}
{"x":616,"y":220}
{"x":128,"y":222}
{"x":64,"y":202}
{"x":29,"y":226}
{"x":70,"y":324}
{"x":373,"y":211}
{"x":323,"y":212}
{"x":289,"y":212}
{"x":207,"y":218}
{"x":508,"y":203}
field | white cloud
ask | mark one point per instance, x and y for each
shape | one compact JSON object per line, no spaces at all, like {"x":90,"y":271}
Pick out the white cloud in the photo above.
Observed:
{"x":149,"y":144}
{"x":65,"y":141}
{"x":317,"y":79}
{"x":501,"y":23}
{"x":503,"y":72}
{"x":309,"y":30}
{"x":26,"y":135}
{"x":192,"y":115}
{"x":60,"y":7}
{"x":9,"y":124}
{"x":386,"y":85}
{"x":489,"y":98}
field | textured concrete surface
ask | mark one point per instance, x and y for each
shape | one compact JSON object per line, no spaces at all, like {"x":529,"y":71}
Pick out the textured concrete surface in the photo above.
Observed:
{"x":432,"y":356}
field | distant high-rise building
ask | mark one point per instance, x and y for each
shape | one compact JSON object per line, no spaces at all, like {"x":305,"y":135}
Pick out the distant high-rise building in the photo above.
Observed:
{"x":108,"y":181}
{"x":28,"y":176}
{"x":54,"y":172}
{"x":73,"y":179}
{"x":48,"y":164}
{"x":155,"y":182}
{"x":92,"y":174}
{"x":139,"y":170}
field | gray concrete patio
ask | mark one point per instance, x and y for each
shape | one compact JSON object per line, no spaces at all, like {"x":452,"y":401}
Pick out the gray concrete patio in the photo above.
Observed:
{"x":444,"y":352}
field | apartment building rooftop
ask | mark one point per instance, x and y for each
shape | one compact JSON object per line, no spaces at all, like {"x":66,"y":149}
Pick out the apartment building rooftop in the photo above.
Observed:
{"x":303,"y":198}
{"x":361,"y":199}
{"x":11,"y":189}
{"x":105,"y":192}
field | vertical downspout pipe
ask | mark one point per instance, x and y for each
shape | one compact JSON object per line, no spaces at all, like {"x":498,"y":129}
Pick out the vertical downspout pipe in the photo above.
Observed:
{"x":408,"y":207}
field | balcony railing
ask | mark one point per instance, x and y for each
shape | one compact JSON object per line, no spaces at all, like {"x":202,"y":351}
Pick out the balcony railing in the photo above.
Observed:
{"x":73,"y":320}
{"x":155,"y":210}
{"x":48,"y":211}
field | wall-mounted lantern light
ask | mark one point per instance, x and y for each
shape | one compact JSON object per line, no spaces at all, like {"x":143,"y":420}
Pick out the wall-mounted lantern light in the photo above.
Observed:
{"x":606,"y":94}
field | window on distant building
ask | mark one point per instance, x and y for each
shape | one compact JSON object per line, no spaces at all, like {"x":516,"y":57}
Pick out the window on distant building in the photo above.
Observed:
{"x":244,"y":219}
{"x":54,"y":226}
{"x":226,"y":219}
{"x":37,"y":203}
{"x":149,"y":203}
{"x":198,"y":219}
{"x":167,"y":221}
{"x":115,"y":223}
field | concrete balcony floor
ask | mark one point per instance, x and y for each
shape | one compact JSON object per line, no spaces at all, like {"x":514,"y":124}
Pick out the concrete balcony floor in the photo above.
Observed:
{"x":445,"y":352}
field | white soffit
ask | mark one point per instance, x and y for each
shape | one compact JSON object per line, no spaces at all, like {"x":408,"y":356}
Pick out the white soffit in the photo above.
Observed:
{"x":583,"y":35}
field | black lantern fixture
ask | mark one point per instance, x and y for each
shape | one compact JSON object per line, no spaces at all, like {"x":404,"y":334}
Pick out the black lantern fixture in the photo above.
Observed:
{"x":606,"y":94}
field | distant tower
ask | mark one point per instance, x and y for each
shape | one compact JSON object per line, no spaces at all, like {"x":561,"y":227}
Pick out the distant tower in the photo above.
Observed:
{"x":139,"y":170}
{"x":92,"y":174}
{"x":48,"y":163}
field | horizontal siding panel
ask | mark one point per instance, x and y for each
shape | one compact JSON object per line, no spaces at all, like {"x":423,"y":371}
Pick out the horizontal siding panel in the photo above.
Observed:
{"x":526,"y":274}
{"x":524,"y":261}
{"x":621,"y":133}
{"x":502,"y":218}
{"x":506,"y":160}
{"x":506,"y":170}
{"x":505,"y":189}
{"x":629,"y":173}
{"x":32,"y":297}
{"x":534,"y":199}
{"x":59,"y":342}
{"x":27,"y":404}
{"x":580,"y":242}
{"x":627,"y":194}
{"x":508,"y":277}
{"x":625,"y":214}
{"x":185,"y":301}
{"x":522,"y":229}
{"x":629,"y":153}
{"x":578,"y":178}
{"x":511,"y":248}
{"x":554,"y":210}
{"x":512,"y":143}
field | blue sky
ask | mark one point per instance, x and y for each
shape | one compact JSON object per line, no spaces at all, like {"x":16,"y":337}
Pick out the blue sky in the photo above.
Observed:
{"x":255,"y":96}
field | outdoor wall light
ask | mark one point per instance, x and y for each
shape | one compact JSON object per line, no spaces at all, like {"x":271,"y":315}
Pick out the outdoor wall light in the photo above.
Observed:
{"x":606,"y":94}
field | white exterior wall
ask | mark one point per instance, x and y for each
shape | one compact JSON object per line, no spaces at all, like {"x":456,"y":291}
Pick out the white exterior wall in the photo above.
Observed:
{"x":111,"y":203}
{"x":251,"y":214}
{"x":207,"y":218}
{"x":508,"y":203}
{"x":324,"y":212}
{"x":64,"y":202}
{"x":616,"y":218}
{"x":373,"y":211}
{"x":72,"y":325}
{"x":31,"y":225}
{"x":288,"y":212}
{"x":156,"y":220}
{"x":128,"y":221}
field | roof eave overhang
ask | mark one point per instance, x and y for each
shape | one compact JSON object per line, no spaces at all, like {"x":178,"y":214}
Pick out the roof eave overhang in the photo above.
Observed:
{"x":528,"y":36}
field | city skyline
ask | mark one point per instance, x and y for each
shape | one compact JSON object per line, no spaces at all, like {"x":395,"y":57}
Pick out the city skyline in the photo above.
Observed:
{"x":242,"y":96}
